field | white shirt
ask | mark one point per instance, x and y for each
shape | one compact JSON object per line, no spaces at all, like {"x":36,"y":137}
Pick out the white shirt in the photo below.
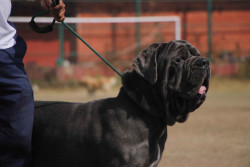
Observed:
{"x":7,"y":30}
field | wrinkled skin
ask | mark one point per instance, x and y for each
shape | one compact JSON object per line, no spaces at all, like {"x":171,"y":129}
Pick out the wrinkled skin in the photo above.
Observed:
{"x":178,"y":74}
{"x":167,"y":82}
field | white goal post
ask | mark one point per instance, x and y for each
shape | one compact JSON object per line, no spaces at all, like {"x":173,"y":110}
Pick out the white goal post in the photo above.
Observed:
{"x":175,"y":19}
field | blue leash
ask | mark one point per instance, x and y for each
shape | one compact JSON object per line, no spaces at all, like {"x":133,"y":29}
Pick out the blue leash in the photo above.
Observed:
{"x":49,"y":28}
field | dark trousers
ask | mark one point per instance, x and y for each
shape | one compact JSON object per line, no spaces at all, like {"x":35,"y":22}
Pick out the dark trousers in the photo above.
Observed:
{"x":16,"y":108}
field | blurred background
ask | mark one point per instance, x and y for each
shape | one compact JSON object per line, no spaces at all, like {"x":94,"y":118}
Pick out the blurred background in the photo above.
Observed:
{"x":61,"y":67}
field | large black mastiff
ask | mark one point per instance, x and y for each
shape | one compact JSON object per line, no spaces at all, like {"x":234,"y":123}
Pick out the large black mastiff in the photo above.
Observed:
{"x":167,"y":82}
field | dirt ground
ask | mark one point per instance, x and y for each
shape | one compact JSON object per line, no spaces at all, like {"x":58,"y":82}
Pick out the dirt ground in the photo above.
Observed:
{"x":215,"y":135}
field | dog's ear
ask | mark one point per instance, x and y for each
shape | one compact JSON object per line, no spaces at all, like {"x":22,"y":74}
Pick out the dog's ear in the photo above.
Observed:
{"x":145,"y":64}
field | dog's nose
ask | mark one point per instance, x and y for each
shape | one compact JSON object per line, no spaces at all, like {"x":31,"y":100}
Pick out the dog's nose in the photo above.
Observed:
{"x":202,"y":62}
{"x":205,"y":62}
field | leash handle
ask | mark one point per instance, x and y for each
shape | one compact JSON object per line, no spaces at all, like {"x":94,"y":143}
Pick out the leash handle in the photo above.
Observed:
{"x":38,"y":29}
{"x":47,"y":28}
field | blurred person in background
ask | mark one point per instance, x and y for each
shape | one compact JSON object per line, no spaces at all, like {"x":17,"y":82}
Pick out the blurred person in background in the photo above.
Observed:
{"x":16,"y":95}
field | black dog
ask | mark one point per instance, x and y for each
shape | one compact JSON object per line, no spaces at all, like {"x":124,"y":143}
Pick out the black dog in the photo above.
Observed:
{"x":168,"y":81}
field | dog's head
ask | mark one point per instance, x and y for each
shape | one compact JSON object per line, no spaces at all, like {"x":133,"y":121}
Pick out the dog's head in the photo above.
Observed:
{"x":178,"y":74}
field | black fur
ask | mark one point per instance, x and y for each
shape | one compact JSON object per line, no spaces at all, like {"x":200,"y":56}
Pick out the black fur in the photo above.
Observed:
{"x":129,"y":130}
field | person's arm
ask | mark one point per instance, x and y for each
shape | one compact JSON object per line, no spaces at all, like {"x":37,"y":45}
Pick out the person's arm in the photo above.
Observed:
{"x":58,"y":11}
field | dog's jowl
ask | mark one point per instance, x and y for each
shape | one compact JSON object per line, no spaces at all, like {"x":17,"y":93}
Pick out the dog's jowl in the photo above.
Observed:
{"x":168,"y":81}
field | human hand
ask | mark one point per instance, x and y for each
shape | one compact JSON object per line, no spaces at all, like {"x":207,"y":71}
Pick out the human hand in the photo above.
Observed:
{"x":58,"y":11}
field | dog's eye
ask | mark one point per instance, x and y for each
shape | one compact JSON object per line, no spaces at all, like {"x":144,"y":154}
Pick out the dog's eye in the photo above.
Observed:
{"x":180,"y":59}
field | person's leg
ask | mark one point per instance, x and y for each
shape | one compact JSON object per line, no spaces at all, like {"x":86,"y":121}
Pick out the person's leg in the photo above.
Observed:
{"x":16,"y":113}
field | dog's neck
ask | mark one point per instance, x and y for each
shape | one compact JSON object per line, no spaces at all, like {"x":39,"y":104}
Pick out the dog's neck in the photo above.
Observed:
{"x":143,"y":94}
